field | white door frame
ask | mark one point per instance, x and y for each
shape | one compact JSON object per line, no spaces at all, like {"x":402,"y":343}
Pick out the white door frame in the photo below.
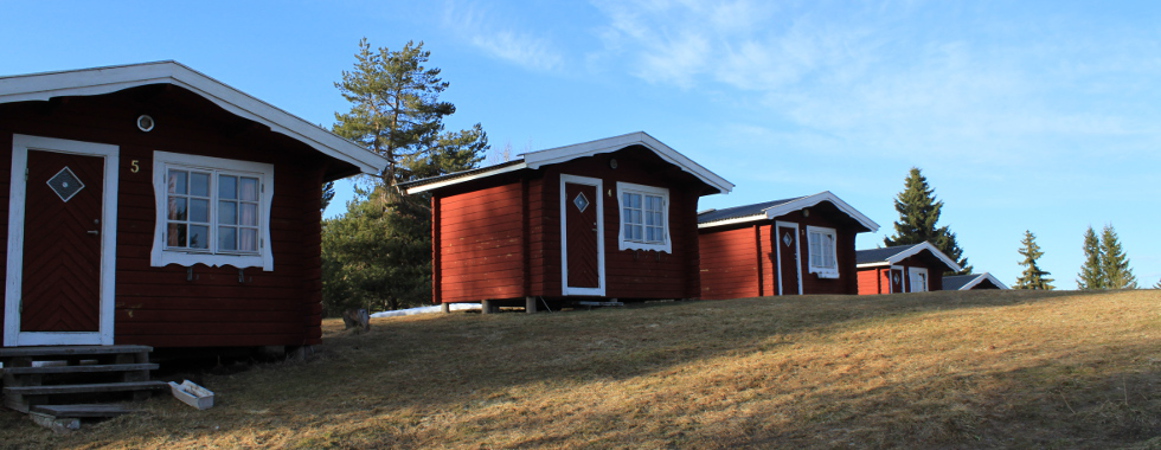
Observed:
{"x":797,"y":253}
{"x":911,"y":276}
{"x":599,"y":204}
{"x":21,"y":144}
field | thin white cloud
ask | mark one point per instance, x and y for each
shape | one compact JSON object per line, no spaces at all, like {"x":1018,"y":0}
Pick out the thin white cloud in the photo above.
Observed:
{"x":485,"y":30}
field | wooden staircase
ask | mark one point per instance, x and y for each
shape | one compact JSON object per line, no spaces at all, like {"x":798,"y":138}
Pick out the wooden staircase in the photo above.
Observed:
{"x":82,"y":381}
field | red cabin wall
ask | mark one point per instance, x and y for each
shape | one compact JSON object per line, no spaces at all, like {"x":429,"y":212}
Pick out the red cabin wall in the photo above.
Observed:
{"x":499,"y":237}
{"x":741,"y":261}
{"x":481,"y":244}
{"x":874,"y":281}
{"x":159,"y":306}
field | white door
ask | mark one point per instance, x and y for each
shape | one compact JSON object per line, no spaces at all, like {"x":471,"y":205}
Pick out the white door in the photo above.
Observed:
{"x":918,"y":278}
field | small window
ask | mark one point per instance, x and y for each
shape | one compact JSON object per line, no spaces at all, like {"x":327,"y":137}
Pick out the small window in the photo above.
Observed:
{"x":212,"y":211}
{"x":644,"y":217}
{"x":823,"y":253}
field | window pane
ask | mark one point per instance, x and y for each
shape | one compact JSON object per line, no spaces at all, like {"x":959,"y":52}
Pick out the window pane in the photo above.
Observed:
{"x":199,"y":210}
{"x":248,"y":240}
{"x":228,"y":213}
{"x":199,"y":236}
{"x":199,"y":184}
{"x":637,"y":201}
{"x":177,"y":182}
{"x":249,"y":189}
{"x":248,"y":215}
{"x":227,"y":238}
{"x":175,"y":235}
{"x":177,"y":209}
{"x":228,"y":187}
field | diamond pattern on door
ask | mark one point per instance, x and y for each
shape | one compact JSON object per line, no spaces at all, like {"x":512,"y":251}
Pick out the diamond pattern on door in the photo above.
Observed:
{"x":786,"y":239}
{"x":65,"y":184}
{"x":581,"y":202}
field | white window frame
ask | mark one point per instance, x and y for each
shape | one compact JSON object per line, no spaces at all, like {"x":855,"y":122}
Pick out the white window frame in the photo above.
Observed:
{"x":162,"y":256}
{"x":823,"y":270}
{"x":918,"y":275}
{"x":625,"y":243}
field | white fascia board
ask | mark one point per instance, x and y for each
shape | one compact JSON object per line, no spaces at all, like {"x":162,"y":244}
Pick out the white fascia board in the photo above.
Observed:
{"x":916,"y":249}
{"x":467,"y":178}
{"x":734,"y":221}
{"x":871,"y":265}
{"x":980,"y":279}
{"x":540,"y":158}
{"x":825,"y":196}
{"x":104,"y":80}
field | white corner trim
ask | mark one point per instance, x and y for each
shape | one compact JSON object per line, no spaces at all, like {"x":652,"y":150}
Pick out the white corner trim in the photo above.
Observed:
{"x":565,"y":290}
{"x":13,"y":288}
{"x":160,"y":257}
{"x":797,"y":253}
{"x":104,"y":80}
{"x":622,"y":243}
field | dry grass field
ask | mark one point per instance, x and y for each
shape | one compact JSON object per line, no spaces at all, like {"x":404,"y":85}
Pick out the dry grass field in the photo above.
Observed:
{"x":939,"y":370}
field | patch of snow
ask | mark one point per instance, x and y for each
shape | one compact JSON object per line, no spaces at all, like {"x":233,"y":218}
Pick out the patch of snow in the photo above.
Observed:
{"x":426,"y":310}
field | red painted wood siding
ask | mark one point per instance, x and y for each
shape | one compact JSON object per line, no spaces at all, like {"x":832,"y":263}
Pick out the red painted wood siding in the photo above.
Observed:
{"x":157,"y":305}
{"x":481,"y":244}
{"x":731,"y":264}
{"x":874,"y":281}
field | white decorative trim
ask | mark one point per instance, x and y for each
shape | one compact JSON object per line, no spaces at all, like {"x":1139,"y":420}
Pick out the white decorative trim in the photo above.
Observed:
{"x":15,"y":272}
{"x":980,"y":279}
{"x":823,"y":272}
{"x":466,"y":178}
{"x":599,"y":291}
{"x":104,"y":80}
{"x":912,"y":251}
{"x":799,"y":204}
{"x":797,"y":253}
{"x":160,"y":257}
{"x":622,"y":243}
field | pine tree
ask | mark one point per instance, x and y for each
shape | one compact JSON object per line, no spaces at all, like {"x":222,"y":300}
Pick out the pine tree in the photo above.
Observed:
{"x":918,"y":214}
{"x":1092,"y":273}
{"x":378,"y":254}
{"x":1158,"y":285}
{"x":1033,"y":277}
{"x":1117,"y":273}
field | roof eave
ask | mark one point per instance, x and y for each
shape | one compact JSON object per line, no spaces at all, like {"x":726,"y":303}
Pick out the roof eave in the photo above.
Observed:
{"x":825,"y":196}
{"x":453,"y":181}
{"x":105,"y":80}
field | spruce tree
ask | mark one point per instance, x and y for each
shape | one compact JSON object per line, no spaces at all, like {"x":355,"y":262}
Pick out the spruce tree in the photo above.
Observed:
{"x":1092,"y":273}
{"x":1033,"y":277}
{"x":918,"y":215}
{"x":378,"y":254}
{"x":1117,"y":273}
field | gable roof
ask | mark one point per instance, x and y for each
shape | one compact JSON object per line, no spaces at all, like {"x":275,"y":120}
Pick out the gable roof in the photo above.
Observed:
{"x":536,"y":160}
{"x":772,"y":209}
{"x":966,"y":282}
{"x":105,"y":80}
{"x":893,"y":255}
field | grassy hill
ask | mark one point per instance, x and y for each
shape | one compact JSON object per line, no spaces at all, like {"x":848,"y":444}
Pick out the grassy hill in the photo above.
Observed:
{"x":978,"y":369}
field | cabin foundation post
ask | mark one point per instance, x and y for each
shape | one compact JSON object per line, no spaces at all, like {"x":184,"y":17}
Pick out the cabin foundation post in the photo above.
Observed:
{"x":445,"y":308}
{"x":487,"y":307}
{"x":530,"y":305}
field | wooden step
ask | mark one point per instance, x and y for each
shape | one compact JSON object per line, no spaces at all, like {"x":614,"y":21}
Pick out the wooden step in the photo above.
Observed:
{"x":70,"y":351}
{"x":85,"y":411}
{"x":125,"y":386}
{"x":87,"y":368}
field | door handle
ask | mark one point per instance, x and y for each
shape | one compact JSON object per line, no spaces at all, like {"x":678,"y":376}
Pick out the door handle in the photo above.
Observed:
{"x":94,"y":232}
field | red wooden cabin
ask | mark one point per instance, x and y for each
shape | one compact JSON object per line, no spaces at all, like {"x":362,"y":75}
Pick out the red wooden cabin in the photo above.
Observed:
{"x":903,"y":268}
{"x":803,"y":245}
{"x":150,"y":204}
{"x":613,"y":218}
{"x":975,"y":281}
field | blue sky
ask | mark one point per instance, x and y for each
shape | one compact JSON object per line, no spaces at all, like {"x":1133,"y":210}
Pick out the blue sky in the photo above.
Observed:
{"x":1043,"y":116}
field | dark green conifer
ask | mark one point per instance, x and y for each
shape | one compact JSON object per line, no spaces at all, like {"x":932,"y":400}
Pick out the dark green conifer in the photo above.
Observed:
{"x":1091,"y":274}
{"x":918,"y":216}
{"x":1033,"y":277}
{"x":1117,"y":273}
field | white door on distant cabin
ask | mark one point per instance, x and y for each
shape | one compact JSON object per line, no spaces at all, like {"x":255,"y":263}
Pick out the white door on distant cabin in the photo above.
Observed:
{"x":918,"y":279}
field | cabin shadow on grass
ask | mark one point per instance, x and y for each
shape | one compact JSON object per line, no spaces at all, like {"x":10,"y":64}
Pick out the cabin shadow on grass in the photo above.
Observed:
{"x":937,"y":370}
